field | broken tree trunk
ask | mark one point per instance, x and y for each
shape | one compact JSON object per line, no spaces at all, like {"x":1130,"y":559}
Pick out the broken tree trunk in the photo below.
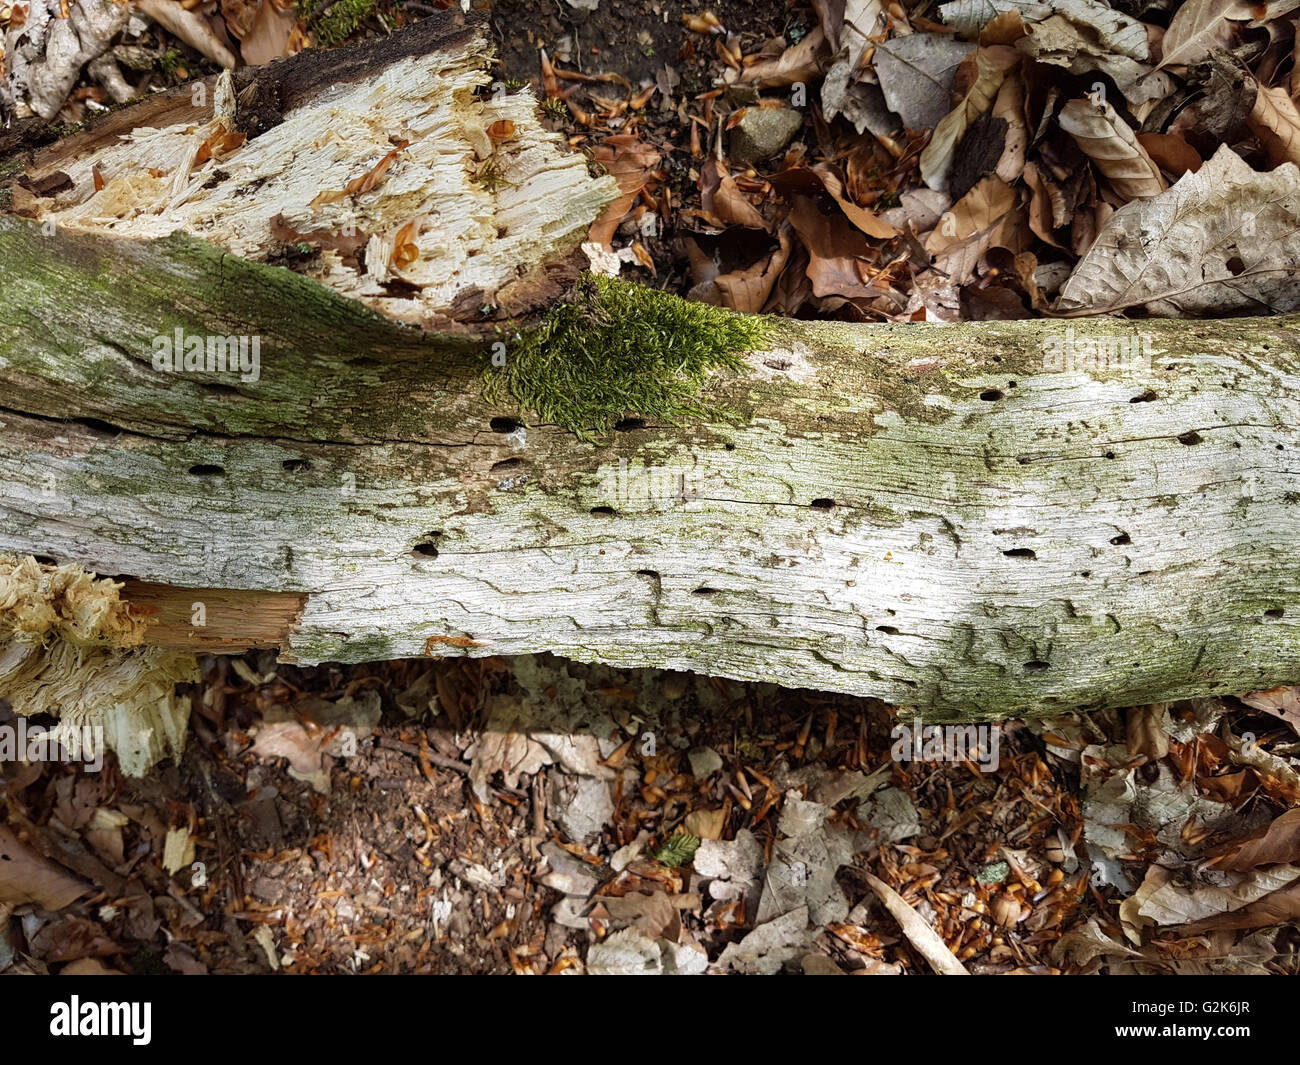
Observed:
{"x":976,"y":521}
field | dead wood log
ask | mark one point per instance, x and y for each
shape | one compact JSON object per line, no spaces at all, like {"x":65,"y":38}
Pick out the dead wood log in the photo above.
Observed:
{"x":977,"y":521}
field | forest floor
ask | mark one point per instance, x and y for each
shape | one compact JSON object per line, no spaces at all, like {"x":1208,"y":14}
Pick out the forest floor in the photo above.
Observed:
{"x":537,"y":816}
{"x":532,"y":815}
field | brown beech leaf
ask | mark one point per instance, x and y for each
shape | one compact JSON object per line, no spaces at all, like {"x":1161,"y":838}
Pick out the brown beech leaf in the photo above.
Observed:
{"x":1276,"y":122}
{"x":865,"y":220}
{"x":1108,"y":141}
{"x":631,"y":162}
{"x":747,"y":290}
{"x":1043,"y":205}
{"x":839,"y":257}
{"x":723,"y":201}
{"x":222,"y":142}
{"x":27,"y":877}
{"x":1281,"y":702}
{"x":1171,"y":153}
{"x":263,"y":28}
{"x":1145,"y":732}
{"x":346,"y":245}
{"x":800,"y":63}
{"x":1006,"y":28}
{"x":70,"y":938}
{"x":1278,"y":907}
{"x":1278,"y":844}
{"x":980,"y":220}
{"x":808,"y":181}
{"x":1010,"y":107}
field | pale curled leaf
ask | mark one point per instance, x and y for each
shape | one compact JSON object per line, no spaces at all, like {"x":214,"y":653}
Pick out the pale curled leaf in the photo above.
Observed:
{"x":1224,"y":239}
{"x":1122,"y":33}
{"x":1276,"y":122}
{"x":925,"y":939}
{"x":992,"y":65}
{"x":1197,"y":28}
{"x":1107,"y":140}
{"x":981,"y":219}
{"x":800,"y":62}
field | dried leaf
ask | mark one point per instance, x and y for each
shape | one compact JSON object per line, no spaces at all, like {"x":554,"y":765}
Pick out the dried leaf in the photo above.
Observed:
{"x":723,"y":201}
{"x":192,"y":27}
{"x":993,"y":65}
{"x":1122,"y":33}
{"x":1280,"y":907}
{"x":1010,"y":107}
{"x":264,"y":28}
{"x":916,"y":74}
{"x":1173,"y":903}
{"x":1171,"y":153}
{"x":1276,"y":122}
{"x":1198,"y":28}
{"x":631,"y":162}
{"x":800,"y":63}
{"x":1281,"y":702}
{"x":27,"y":877}
{"x":848,"y":27}
{"x":363,"y":184}
{"x":222,"y":142}
{"x":1225,"y":239}
{"x":748,"y":290}
{"x":1146,"y":733}
{"x":839,"y":258}
{"x":1279,"y":843}
{"x":1062,"y":43}
{"x":1109,"y":142}
{"x":979,"y":220}
{"x":1045,"y":199}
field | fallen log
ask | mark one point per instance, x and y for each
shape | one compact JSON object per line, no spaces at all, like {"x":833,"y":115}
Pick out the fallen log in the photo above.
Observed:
{"x":436,"y":454}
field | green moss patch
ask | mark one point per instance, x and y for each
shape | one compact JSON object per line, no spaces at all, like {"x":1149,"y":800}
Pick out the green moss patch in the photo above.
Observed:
{"x":618,"y":349}
{"x":342,"y":19}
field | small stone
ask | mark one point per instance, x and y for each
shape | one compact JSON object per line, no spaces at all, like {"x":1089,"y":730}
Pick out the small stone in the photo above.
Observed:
{"x":705,"y":761}
{"x":762,"y":133}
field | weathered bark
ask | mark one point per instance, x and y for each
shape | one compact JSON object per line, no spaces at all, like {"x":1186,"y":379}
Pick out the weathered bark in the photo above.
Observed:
{"x":942,"y":517}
